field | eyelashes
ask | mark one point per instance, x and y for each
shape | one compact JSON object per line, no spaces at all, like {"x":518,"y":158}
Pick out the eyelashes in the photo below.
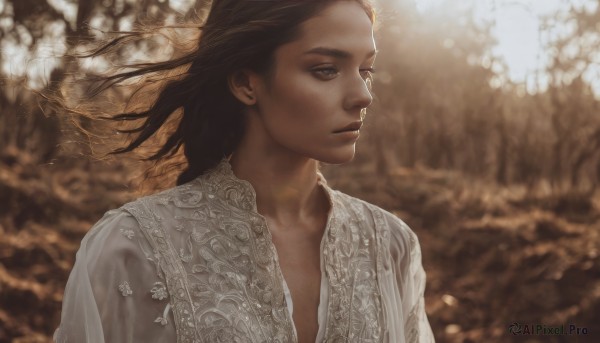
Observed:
{"x":331,"y":71}
{"x":326,"y":71}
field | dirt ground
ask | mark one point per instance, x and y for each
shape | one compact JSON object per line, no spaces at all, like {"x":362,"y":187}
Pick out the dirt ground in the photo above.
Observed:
{"x":493,"y":256}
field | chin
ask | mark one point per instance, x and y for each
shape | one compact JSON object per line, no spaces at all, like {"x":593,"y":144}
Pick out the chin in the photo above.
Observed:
{"x":337,"y":157}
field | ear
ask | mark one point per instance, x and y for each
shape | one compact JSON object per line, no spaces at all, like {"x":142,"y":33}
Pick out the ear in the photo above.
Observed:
{"x":241,"y":86}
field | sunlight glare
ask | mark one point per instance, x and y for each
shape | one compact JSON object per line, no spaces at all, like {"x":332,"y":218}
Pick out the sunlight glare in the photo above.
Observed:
{"x":181,"y":6}
{"x":68,"y":10}
{"x":12,"y":52}
{"x":47,"y":54}
{"x":425,"y":5}
{"x":521,"y":43}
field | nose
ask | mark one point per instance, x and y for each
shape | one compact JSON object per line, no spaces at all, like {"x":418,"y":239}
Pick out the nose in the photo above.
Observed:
{"x":359,"y":93}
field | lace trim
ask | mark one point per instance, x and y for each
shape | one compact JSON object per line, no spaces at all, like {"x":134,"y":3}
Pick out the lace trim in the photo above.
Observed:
{"x":382,"y":238}
{"x":222,"y":182}
{"x":243,"y":252}
{"x":412,"y":321}
{"x":173,"y":273}
{"x":355,"y":299}
{"x":241,"y":274}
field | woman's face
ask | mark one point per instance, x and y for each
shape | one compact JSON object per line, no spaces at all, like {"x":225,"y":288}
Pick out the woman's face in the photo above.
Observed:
{"x":319,"y":86}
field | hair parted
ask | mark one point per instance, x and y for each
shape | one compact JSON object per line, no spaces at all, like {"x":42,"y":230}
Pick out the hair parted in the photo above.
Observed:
{"x":185,"y":101}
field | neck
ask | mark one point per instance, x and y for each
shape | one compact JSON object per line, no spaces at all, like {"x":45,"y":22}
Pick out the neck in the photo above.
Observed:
{"x":286,"y":187}
{"x":285,"y":182}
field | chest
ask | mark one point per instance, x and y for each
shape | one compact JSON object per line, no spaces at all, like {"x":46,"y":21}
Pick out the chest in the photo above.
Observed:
{"x":224,"y":274}
{"x":299,"y":256}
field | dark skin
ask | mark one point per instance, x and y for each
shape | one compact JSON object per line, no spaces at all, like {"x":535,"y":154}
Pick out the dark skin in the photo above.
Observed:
{"x":290,"y":127}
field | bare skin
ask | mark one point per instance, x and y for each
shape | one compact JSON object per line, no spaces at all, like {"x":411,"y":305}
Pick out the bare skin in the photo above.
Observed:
{"x":291,"y":127}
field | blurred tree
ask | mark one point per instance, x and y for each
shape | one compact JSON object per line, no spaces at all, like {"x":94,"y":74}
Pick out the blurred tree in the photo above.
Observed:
{"x":432,"y":86}
{"x":574,"y":67}
{"x":35,"y":36}
{"x":443,"y":102}
{"x":434,"y":103}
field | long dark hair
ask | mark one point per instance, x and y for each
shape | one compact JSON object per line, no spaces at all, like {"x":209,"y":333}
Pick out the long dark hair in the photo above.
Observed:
{"x":194,"y":110}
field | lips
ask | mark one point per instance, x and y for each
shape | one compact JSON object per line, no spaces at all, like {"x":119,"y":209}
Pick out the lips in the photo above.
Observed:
{"x":351,"y":127}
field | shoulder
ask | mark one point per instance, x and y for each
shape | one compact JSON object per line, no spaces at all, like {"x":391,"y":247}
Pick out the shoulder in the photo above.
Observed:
{"x":114,"y":223}
{"x":394,"y":231}
{"x":189,"y":195}
{"x":163,"y":197}
{"x":113,"y":242}
{"x":391,"y":221}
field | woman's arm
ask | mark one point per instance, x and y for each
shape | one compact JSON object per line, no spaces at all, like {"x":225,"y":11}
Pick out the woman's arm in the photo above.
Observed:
{"x":114,"y":292}
{"x":417,"y":327}
{"x":410,"y":278}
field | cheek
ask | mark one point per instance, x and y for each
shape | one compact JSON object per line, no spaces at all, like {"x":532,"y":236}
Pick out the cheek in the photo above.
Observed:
{"x":303,"y":108}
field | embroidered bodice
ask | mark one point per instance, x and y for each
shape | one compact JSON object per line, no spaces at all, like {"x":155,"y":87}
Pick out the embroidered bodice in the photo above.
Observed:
{"x":196,"y":263}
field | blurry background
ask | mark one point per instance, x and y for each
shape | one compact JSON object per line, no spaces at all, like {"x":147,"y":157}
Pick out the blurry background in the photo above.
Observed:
{"x":484,"y":137}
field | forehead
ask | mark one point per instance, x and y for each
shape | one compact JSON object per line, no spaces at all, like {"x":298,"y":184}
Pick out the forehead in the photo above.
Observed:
{"x":343,"y":25}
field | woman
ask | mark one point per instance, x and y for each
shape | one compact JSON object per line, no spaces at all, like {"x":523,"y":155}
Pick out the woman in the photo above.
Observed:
{"x":253,"y":245}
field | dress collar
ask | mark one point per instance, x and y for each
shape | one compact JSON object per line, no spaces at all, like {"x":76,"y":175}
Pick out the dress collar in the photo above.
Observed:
{"x":240,"y":193}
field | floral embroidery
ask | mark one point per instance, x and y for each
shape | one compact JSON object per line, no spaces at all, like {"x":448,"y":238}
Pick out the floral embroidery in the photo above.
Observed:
{"x":159,"y":291}
{"x":221,"y":274}
{"x":127,"y":233}
{"x":125,"y":289}
{"x":163,"y":320}
{"x":354,"y":302}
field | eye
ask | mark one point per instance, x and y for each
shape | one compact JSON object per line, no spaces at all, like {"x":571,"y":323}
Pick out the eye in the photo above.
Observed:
{"x":327,"y":72}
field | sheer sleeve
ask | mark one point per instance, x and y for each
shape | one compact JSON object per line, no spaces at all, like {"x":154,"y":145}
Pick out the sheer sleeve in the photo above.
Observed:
{"x":115,"y":292}
{"x":409,"y":279}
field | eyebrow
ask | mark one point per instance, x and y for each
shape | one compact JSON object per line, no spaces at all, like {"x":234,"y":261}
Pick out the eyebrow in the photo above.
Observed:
{"x":337,"y":53}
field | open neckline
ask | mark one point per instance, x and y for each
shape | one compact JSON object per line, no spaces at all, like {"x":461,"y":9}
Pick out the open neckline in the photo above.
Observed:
{"x":245,"y":199}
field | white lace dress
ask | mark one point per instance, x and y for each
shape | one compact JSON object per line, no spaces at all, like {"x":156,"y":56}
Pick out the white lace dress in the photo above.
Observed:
{"x":196,"y":263}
